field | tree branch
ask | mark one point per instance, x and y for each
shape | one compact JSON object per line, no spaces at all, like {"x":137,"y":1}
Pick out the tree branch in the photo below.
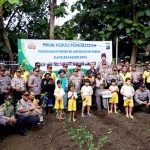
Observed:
{"x":11,"y":17}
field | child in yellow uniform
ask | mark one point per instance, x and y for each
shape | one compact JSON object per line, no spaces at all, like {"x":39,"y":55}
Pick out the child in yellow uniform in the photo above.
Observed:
{"x":72,"y":95}
{"x":114,"y":99}
{"x":86,"y":94}
{"x":128,"y":92}
{"x":59,"y":96}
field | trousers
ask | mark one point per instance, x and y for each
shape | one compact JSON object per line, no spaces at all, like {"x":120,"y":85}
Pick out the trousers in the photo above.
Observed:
{"x":23,"y":121}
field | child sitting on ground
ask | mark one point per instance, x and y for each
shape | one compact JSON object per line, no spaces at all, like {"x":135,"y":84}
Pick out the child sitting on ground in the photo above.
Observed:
{"x":114,"y":99}
{"x":86,"y":94}
{"x":59,"y":94}
{"x":128,"y":92}
{"x":72,"y":95}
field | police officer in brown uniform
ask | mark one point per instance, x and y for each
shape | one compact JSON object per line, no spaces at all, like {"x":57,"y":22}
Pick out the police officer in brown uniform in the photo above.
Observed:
{"x":76,"y":79}
{"x":34,"y":83}
{"x":24,"y":117}
{"x":18,"y":85}
{"x":99,"y":65}
{"x":139,"y":68}
{"x":142,"y":97}
{"x":119,"y":67}
{"x":37,"y":65}
{"x":4,"y":85}
{"x":80,"y":72}
{"x":67,"y":73}
{"x":136,"y":77}
{"x":104,"y":70}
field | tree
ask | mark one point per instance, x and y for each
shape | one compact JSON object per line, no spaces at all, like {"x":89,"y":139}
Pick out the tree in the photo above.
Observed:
{"x":56,"y":11}
{"x":106,"y":20}
{"x":52,"y":4}
{"x":6,"y":48}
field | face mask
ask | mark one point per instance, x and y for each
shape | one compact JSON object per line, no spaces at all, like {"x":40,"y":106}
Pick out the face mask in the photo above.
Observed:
{"x":7,"y":103}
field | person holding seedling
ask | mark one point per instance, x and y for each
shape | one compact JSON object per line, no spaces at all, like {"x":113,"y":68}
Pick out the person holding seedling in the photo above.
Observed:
{"x":8,"y":110}
{"x":24,"y":108}
{"x":72,"y":95}
{"x":114,"y":99}
{"x":6,"y":116}
{"x":104,"y":70}
{"x":100,"y":85}
{"x":86,"y":94}
{"x":48,"y":86}
{"x":59,"y":94}
{"x":128,"y":92}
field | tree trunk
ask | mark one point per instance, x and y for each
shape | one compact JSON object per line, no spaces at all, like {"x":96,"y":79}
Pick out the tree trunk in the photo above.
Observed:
{"x":52,"y":4}
{"x":134,"y":48}
{"x":5,"y":37}
{"x":134,"y":54}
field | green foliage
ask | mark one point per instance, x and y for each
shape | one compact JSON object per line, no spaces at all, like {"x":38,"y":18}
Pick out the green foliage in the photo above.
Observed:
{"x":60,"y":10}
{"x":82,"y":137}
{"x":3,"y":47}
{"x":104,"y":140}
{"x":67,"y":119}
{"x":107,"y":20}
{"x":10,"y":1}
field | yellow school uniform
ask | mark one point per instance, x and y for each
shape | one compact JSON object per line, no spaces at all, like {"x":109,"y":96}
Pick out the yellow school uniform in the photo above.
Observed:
{"x":59,"y":93}
{"x":127,"y":75}
{"x":127,"y":90}
{"x":128,"y":102}
{"x":114,"y":98}
{"x":87,"y":93}
{"x":92,"y":79}
{"x":72,"y":101}
{"x":146,"y":74}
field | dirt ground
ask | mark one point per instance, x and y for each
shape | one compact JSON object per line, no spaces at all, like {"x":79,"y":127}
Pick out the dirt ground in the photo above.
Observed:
{"x":126,"y":134}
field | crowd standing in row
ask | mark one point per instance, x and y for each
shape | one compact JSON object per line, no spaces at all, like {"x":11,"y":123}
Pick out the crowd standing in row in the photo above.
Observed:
{"x":129,"y":85}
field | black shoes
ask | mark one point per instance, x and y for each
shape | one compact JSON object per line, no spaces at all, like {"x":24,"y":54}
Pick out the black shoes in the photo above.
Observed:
{"x":22,"y":133}
{"x":2,"y":137}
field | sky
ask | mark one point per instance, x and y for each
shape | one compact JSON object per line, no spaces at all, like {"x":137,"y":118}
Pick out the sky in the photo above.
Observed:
{"x":60,"y":21}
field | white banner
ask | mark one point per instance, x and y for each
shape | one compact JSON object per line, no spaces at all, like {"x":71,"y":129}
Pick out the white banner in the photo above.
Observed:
{"x":58,"y":52}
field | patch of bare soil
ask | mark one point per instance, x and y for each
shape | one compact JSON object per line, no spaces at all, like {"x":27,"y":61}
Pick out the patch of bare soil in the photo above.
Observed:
{"x":124,"y":134}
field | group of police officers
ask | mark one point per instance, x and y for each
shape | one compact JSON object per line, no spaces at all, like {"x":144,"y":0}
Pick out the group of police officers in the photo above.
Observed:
{"x":23,"y":109}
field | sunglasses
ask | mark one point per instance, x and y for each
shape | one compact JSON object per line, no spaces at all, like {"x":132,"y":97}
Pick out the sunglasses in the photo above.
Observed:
{"x":75,"y":71}
{"x":2,"y":70}
{"x":65,"y":66}
{"x":36,"y":71}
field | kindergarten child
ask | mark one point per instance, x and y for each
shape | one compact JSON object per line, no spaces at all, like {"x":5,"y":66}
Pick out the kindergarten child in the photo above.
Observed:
{"x":72,"y":95}
{"x":114,"y":99}
{"x":86,"y":94}
{"x":128,"y":92}
{"x":59,"y":97}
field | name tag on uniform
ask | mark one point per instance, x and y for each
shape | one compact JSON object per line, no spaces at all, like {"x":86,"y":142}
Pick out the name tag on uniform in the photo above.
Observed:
{"x":106,"y":94}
